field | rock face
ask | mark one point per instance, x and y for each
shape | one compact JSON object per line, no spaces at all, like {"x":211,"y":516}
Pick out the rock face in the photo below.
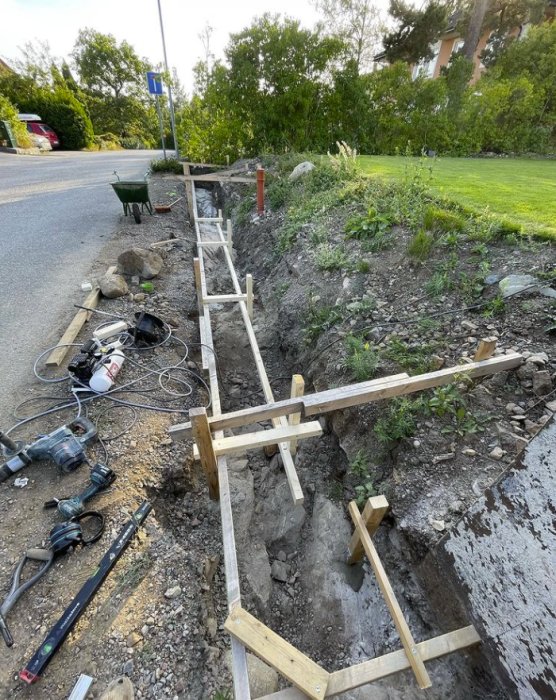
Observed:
{"x":501,"y":555}
{"x":138,"y":261}
{"x":113,"y":286}
{"x":263,"y":680}
{"x":301,"y":170}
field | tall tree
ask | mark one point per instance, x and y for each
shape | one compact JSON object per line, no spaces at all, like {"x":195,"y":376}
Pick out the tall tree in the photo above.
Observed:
{"x":358,"y":23}
{"x":107,"y":67}
{"x":37,"y":62}
{"x":416,"y":31}
{"x":475,"y":27}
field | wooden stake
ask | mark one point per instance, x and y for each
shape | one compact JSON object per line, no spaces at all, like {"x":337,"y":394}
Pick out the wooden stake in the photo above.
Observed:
{"x":297,"y":390}
{"x":189,"y":193}
{"x":229,"y":235}
{"x":203,"y":438}
{"x":486,"y":349}
{"x":408,"y":643}
{"x":249,"y":290}
{"x":299,"y":669}
{"x":375,"y":509}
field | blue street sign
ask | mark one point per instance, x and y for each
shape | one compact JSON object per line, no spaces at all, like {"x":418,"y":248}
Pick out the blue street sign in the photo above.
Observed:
{"x":154,"y":81}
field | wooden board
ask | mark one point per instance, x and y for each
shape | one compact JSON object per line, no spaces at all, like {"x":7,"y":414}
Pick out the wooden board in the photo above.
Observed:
{"x":297,"y":390}
{"x":373,"y":512}
{"x":57,"y":356}
{"x":215,"y":177}
{"x":255,"y":414}
{"x":299,"y":669}
{"x":203,"y":438}
{"x":383,"y":666}
{"x":486,"y":349}
{"x":406,"y":637}
{"x":224,"y":298}
{"x":364,"y":392}
{"x":251,"y":441}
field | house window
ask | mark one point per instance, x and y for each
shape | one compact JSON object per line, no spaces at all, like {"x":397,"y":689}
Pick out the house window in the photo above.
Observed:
{"x":458,"y":45}
{"x":426,"y":68}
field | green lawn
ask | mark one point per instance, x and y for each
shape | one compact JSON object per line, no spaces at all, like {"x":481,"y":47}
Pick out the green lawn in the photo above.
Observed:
{"x":518,"y":189}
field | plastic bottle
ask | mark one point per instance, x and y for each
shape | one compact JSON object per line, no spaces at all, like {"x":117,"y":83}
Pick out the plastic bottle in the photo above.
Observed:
{"x":105,"y":375}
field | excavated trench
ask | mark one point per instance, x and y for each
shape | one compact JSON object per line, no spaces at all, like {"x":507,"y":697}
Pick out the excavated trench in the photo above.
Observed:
{"x":292,"y":558}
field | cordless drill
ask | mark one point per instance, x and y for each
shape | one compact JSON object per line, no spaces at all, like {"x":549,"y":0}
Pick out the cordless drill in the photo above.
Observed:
{"x":64,"y":446}
{"x":101,"y":478}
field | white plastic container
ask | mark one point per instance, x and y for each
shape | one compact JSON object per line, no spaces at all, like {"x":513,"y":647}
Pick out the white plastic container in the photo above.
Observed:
{"x":106,"y":374}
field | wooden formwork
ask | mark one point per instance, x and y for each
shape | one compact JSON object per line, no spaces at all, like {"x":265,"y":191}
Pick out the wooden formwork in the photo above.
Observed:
{"x":212,"y":447}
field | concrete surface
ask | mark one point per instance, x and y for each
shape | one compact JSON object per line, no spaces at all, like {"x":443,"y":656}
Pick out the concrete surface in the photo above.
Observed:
{"x":56,"y":213}
{"x":502,"y":558}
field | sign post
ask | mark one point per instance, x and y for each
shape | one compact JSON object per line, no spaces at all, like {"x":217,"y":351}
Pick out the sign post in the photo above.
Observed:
{"x":154,"y":82}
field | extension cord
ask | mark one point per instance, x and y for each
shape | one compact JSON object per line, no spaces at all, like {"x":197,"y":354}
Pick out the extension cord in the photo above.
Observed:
{"x":109,"y":331}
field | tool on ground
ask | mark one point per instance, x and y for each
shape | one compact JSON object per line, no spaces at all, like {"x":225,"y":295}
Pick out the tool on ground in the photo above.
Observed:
{"x":111,"y":330}
{"x":97,"y":364}
{"x":64,"y":447}
{"x":149,"y":329}
{"x":55,"y":638}
{"x":9,"y":447}
{"x":62,"y":537}
{"x":101,"y":478}
{"x":165,"y":208}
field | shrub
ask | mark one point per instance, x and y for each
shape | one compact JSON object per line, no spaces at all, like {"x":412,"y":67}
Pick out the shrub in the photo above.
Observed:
{"x":368,"y":226}
{"x":66,"y":115}
{"x":436,"y":219}
{"x":398,"y":422}
{"x":107,"y":142}
{"x":420,"y":245}
{"x":278,"y":192}
{"x":8,"y":113}
{"x":170,"y":165}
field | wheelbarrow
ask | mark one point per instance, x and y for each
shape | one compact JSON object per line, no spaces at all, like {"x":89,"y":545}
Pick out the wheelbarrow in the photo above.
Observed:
{"x":133,"y":193}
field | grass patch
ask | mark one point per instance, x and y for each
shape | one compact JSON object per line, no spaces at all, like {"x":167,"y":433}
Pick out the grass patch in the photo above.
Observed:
{"x":413,"y":359}
{"x":442,"y":221}
{"x":170,"y":165}
{"x":420,"y":245}
{"x":519,"y":192}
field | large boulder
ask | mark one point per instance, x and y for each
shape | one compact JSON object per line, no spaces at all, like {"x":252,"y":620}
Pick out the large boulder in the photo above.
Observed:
{"x":113,"y":286}
{"x":301,"y":170}
{"x":139,"y":261}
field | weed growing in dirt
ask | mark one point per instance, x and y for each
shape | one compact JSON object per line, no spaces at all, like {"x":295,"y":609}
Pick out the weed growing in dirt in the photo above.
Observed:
{"x":363,"y":492}
{"x":328,"y":257}
{"x":319,"y":235}
{"x":445,"y":400}
{"x":398,"y":421}
{"x":363,"y":266}
{"x":170,"y":165}
{"x":244,"y":208}
{"x":495,"y":307}
{"x":411,"y":358}
{"x":281,"y":290}
{"x":428,"y":324}
{"x":320,"y":319}
{"x":443,"y":279}
{"x":278,"y":192}
{"x":362,"y":359}
{"x":359,"y":466}
{"x":223,"y":695}
{"x":369,"y":226}
{"x":421,"y":245}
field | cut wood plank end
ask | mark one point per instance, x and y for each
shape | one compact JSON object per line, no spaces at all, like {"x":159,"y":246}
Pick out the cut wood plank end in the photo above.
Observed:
{"x":299,"y":669}
{"x":486,"y":349}
{"x":297,"y":390}
{"x":373,"y":512}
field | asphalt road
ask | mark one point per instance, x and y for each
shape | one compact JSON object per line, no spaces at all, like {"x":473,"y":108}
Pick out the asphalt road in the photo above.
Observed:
{"x":56,"y":213}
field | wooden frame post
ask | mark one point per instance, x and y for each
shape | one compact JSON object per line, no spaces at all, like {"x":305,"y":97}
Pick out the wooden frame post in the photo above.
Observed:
{"x":375,"y":509}
{"x":203,"y":438}
{"x":297,"y":390}
{"x":486,"y":349}
{"x":229,"y":235}
{"x":260,"y":191}
{"x":408,"y":643}
{"x":249,"y":291}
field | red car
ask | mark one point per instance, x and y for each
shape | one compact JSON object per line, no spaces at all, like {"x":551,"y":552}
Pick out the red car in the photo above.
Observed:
{"x":35,"y":126}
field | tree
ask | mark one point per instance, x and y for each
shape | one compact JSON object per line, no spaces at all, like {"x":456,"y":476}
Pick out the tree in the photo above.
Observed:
{"x":37,"y":62}
{"x":278,"y":80}
{"x":106,"y":67}
{"x":416,"y":31}
{"x":357,"y":23}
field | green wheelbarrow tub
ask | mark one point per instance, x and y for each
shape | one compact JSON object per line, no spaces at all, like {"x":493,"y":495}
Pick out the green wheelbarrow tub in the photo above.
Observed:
{"x":129,"y":192}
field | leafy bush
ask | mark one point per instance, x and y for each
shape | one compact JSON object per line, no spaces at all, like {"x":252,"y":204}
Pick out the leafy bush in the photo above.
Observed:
{"x":443,"y":221}
{"x":8,"y":113}
{"x":107,"y":142}
{"x":170,"y":165}
{"x":368,"y":226}
{"x":414,"y":358}
{"x":278,"y":192}
{"x":398,"y":421}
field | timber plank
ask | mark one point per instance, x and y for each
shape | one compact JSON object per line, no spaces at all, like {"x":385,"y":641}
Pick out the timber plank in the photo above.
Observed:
{"x":250,"y":441}
{"x":299,"y":669}
{"x":375,"y":509}
{"x":364,"y":392}
{"x":408,"y":643}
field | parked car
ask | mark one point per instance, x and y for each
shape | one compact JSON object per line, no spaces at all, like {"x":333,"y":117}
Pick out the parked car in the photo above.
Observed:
{"x":39,"y":128}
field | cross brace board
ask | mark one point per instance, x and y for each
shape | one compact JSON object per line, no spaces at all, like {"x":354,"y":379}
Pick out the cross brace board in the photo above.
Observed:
{"x":355,"y":394}
{"x":251,"y":441}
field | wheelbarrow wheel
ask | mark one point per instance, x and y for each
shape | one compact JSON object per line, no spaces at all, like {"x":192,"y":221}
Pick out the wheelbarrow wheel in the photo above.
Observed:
{"x":136,"y":212}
